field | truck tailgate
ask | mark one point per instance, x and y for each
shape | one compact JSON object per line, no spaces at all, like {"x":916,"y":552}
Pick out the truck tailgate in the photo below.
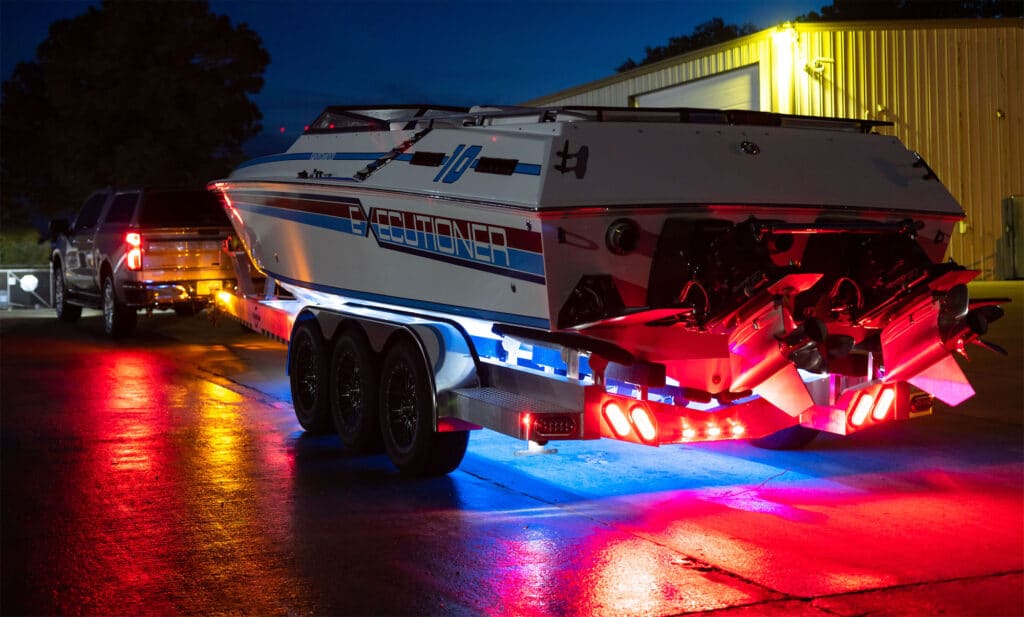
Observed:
{"x":183,"y":249}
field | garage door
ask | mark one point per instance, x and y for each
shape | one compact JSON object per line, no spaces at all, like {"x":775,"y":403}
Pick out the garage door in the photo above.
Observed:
{"x":736,"y":89}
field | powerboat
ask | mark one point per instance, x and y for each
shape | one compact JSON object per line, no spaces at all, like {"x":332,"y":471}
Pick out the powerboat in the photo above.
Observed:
{"x":711,"y":256}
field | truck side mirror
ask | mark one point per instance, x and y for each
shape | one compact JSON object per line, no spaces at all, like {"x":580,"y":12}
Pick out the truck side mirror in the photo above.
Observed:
{"x":58,"y":227}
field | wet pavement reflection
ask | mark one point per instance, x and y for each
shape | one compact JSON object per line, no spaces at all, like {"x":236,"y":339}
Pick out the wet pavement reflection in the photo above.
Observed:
{"x":166,"y":475}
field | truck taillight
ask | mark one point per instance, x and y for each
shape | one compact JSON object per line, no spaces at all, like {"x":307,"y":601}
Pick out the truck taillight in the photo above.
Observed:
{"x":134,"y":257}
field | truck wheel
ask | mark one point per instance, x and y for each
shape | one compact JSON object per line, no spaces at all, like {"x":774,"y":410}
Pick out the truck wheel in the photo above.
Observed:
{"x":792,"y":438}
{"x":407,"y":417}
{"x":65,"y":312}
{"x":307,"y":368}
{"x":353,"y":393}
{"x":118,"y":319}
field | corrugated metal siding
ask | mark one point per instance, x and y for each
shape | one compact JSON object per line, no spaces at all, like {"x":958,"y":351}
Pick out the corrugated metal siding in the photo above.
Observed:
{"x":955,"y":95}
{"x":954,"y":89}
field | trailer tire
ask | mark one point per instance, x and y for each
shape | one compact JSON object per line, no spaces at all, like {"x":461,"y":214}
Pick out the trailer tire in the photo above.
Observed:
{"x":792,"y":438}
{"x":353,"y":393}
{"x":307,"y":370}
{"x":407,"y":416}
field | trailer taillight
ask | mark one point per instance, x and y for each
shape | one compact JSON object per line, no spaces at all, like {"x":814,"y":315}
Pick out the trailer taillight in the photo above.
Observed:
{"x":134,"y":256}
{"x":862,"y":409}
{"x":617,"y":419}
{"x":877,"y":404}
{"x":884,"y":404}
{"x":644,"y":422}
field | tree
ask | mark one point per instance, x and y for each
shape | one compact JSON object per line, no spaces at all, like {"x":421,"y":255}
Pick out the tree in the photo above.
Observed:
{"x":711,"y":32}
{"x":128,"y":93}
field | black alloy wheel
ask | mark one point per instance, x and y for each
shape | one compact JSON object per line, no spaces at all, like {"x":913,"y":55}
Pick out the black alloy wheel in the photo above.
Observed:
{"x":406,"y":404}
{"x":353,"y":393}
{"x":307,"y":371}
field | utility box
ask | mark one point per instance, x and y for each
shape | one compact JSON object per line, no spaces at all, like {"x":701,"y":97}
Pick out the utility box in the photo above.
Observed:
{"x":1010,"y":252}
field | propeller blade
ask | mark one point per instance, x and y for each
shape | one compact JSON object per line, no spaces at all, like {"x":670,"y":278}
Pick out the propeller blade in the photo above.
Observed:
{"x":991,"y":346}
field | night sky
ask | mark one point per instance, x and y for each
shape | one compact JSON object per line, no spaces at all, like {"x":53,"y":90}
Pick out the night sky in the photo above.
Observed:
{"x":455,"y":52}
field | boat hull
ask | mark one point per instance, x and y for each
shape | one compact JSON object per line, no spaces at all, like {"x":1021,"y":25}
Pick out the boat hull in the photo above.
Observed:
{"x":585,"y":229}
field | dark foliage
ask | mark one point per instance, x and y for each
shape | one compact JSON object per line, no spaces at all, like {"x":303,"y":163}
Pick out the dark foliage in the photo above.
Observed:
{"x":711,"y":32}
{"x":128,"y":93}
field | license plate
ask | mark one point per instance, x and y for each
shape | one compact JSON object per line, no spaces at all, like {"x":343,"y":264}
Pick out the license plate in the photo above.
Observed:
{"x":206,"y":288}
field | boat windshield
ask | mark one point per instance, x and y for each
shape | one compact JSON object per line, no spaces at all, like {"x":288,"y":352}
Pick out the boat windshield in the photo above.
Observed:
{"x":348,"y":119}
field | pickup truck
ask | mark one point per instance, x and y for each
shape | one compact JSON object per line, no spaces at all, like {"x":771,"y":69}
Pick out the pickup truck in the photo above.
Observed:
{"x":140,"y":248}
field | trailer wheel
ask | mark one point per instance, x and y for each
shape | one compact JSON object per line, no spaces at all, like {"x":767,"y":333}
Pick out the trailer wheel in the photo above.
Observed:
{"x":353,"y":393}
{"x":307,"y":368}
{"x":407,"y":416}
{"x":792,"y":438}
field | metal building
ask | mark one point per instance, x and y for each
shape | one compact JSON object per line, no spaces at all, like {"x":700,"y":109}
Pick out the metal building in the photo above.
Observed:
{"x":954,"y":90}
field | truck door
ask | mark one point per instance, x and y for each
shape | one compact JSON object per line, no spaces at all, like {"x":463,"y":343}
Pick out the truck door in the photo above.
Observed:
{"x":81,"y":251}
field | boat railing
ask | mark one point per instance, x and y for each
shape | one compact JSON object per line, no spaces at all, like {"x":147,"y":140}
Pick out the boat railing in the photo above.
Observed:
{"x":419,"y":117}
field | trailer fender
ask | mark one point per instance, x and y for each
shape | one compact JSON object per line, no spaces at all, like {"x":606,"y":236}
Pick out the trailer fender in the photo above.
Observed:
{"x":447,"y":350}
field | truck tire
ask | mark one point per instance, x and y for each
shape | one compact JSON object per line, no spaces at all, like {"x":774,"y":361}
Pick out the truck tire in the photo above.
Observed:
{"x":118,"y":319}
{"x":407,"y":416}
{"x":792,"y":438}
{"x":307,"y":370}
{"x":65,"y":311}
{"x":353,"y":393}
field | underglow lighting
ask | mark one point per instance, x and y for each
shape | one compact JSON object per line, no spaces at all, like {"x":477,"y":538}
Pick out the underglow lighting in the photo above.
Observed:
{"x":863,"y":408}
{"x":884,"y":404}
{"x":737,"y":430}
{"x":617,"y":418}
{"x":644,"y":423}
{"x":714,"y":431}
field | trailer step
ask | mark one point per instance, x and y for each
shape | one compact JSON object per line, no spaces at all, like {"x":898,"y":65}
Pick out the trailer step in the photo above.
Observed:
{"x":512,"y":414}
